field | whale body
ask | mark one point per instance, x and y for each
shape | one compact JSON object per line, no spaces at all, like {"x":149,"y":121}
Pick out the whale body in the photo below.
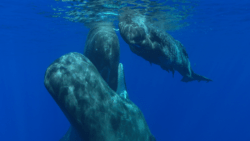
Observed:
{"x":95,"y":111}
{"x":73,"y":135}
{"x":156,"y":46}
{"x":103,"y":50}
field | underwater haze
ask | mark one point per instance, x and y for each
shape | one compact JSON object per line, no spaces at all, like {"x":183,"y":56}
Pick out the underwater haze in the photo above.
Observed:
{"x":215,"y":34}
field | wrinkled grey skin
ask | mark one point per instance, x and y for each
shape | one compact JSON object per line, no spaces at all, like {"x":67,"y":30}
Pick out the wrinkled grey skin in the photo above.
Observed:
{"x":156,"y":46}
{"x":73,"y":135}
{"x":103,"y":50}
{"x":95,"y":111}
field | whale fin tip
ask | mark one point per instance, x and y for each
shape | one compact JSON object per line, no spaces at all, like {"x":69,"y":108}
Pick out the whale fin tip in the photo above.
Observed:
{"x":195,"y":77}
{"x":121,"y":86}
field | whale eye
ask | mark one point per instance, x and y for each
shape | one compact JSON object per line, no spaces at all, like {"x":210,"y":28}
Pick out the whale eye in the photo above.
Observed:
{"x":136,"y":45}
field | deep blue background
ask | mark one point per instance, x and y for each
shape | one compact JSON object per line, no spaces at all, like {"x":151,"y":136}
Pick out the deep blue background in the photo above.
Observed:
{"x":218,"y":44}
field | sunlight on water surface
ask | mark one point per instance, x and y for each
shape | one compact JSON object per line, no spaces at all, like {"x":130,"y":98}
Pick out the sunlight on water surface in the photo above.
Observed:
{"x":166,"y":15}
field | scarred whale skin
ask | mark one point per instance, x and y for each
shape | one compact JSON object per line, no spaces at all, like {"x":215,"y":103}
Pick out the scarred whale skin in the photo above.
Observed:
{"x":156,"y":46}
{"x":95,"y":111}
{"x":103,"y":50}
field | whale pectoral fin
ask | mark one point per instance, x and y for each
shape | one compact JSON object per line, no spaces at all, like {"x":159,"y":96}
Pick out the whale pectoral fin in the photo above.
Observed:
{"x":195,"y":77}
{"x":71,"y":135}
{"x":121,"y":86}
{"x":173,"y":72}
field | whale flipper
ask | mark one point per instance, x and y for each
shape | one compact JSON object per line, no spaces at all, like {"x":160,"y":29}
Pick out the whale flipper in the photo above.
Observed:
{"x":121,"y":86}
{"x":71,"y":135}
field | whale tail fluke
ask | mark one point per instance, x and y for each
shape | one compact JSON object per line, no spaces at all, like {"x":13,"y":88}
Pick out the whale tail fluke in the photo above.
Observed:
{"x":195,"y":77}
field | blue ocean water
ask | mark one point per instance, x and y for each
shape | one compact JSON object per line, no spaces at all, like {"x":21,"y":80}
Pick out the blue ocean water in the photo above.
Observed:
{"x":217,"y":41}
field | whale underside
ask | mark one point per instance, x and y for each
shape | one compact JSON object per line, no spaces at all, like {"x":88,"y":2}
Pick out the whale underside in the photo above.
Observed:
{"x":156,"y":46}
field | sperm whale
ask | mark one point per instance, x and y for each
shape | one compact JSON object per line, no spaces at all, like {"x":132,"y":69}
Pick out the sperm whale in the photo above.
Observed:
{"x":103,"y":50}
{"x":156,"y":46}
